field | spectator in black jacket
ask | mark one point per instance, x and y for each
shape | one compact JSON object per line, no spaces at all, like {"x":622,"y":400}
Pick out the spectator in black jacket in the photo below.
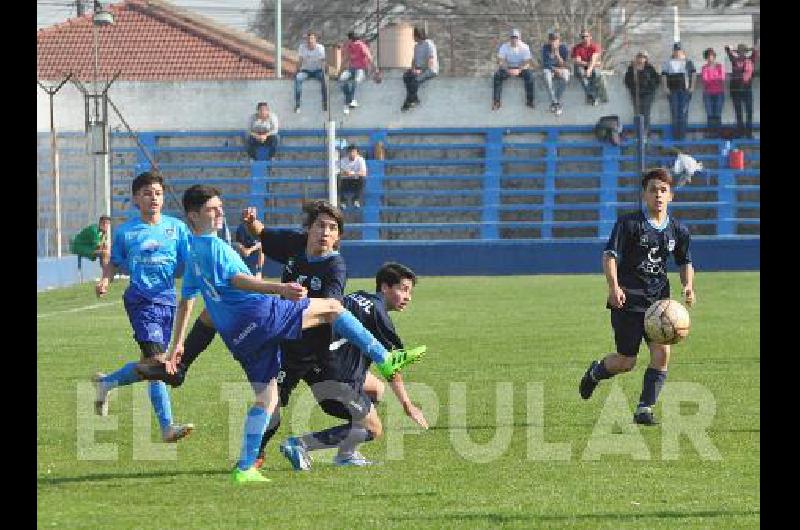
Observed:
{"x":641,"y":73}
{"x":742,"y":68}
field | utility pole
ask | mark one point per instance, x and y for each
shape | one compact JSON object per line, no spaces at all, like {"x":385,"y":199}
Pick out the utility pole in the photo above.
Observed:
{"x":54,"y":160}
{"x":278,"y":39}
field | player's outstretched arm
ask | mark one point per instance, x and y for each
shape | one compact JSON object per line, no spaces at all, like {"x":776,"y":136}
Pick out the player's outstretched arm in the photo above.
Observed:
{"x":290,"y":291}
{"x":183,"y":313}
{"x":109,"y":270}
{"x":616,"y":296}
{"x":411,"y":410}
{"x":687,"y":280}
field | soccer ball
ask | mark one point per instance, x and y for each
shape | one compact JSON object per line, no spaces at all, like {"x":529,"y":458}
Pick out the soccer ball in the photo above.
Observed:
{"x":666,"y":322}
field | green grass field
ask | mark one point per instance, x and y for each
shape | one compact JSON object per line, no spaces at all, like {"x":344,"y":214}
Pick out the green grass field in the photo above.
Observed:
{"x":511,"y":333}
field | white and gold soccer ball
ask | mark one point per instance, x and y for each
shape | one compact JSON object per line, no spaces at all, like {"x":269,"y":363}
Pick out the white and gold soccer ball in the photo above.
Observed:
{"x":667,"y":322}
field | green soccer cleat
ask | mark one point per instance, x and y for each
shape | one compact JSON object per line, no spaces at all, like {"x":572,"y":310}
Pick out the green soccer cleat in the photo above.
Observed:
{"x":250,"y":475}
{"x":399,"y":359}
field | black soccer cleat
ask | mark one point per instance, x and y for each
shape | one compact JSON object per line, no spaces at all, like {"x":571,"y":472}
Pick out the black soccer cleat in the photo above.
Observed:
{"x":644,"y":416}
{"x":588,"y":384}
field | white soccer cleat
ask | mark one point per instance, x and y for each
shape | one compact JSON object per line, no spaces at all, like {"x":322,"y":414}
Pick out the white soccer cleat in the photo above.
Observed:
{"x":354,"y":459}
{"x":175,"y":432}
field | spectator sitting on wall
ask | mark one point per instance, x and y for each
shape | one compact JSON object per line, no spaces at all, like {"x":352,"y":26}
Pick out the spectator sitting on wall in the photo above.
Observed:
{"x":713,"y":75}
{"x":641,"y":76}
{"x":357,"y":61}
{"x":424,"y":66}
{"x":679,"y":73}
{"x":586,"y":55}
{"x":262,"y":132}
{"x":312,"y":64}
{"x":352,"y":171}
{"x":249,"y":247}
{"x":514,"y":58}
{"x":556,"y":72}
{"x":742,"y":67}
{"x":93,"y":241}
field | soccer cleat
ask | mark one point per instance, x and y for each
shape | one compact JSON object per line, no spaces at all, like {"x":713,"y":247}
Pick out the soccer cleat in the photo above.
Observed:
{"x":294,"y":451}
{"x":101,"y":398}
{"x":399,"y":359}
{"x":644,"y":416}
{"x":588,"y":384}
{"x":353,"y":459}
{"x":249,"y":475}
{"x":175,"y":432}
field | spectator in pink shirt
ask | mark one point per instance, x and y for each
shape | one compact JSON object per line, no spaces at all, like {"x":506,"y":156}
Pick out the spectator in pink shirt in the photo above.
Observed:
{"x":713,"y":74}
{"x":357,"y":61}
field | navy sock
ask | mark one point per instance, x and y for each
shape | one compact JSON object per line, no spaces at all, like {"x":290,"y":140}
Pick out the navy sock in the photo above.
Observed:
{"x":600,"y":372}
{"x":254,"y":426}
{"x":348,"y":326}
{"x":651,"y":386}
{"x":358,"y":435}
{"x":196,"y":342}
{"x":326,"y":439}
{"x":272,"y":428}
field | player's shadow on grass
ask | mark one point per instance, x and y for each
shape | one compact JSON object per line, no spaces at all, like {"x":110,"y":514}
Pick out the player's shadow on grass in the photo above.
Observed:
{"x":503,"y":518}
{"x":99,"y":477}
{"x":495,"y":426}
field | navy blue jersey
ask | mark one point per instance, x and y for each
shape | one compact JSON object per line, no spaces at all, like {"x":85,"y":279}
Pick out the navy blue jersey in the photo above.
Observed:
{"x":642,"y":250}
{"x":324,"y":277}
{"x":370,"y":309}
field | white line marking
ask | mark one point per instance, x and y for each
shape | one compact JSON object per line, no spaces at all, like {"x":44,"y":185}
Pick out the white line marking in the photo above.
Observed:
{"x":77,"y":309}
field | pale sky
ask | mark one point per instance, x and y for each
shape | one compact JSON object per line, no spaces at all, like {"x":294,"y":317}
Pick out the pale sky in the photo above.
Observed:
{"x":236,"y":13}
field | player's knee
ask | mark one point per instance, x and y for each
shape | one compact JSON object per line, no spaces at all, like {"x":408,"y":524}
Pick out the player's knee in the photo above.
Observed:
{"x":378,"y":391}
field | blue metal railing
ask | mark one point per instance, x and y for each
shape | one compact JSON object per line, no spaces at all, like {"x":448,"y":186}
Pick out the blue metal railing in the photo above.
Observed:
{"x":486,"y":175}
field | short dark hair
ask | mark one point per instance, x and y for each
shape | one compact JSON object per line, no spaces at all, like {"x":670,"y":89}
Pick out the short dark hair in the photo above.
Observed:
{"x":311,"y":33}
{"x":392,"y":273}
{"x":419,"y":33}
{"x":659,"y":173}
{"x":261,"y":104}
{"x":105,"y":218}
{"x":145,"y":179}
{"x":314,"y":209}
{"x":196,"y":196}
{"x":351,"y":147}
{"x":352,"y":35}
{"x":709,"y":51}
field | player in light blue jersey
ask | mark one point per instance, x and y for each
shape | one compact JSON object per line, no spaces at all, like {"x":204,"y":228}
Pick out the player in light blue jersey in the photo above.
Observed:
{"x":152,"y":249}
{"x":253,"y":325}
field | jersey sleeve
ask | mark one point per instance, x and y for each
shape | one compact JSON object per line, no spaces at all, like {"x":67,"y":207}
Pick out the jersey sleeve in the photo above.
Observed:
{"x":182,"y":247}
{"x":385,"y":327}
{"x":336,"y":280}
{"x":227,"y":263}
{"x":191,"y":285}
{"x":616,"y":240}
{"x":119,"y":256}
{"x":280,"y":245}
{"x":682,"y":252}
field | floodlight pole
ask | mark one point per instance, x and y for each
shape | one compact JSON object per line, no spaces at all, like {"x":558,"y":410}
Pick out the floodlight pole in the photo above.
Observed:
{"x":332,"y":191}
{"x":278,"y":38}
{"x":51,"y":92}
{"x":638,"y":121}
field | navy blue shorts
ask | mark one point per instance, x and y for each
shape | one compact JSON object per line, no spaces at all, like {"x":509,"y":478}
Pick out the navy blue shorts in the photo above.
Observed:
{"x":151,"y":323}
{"x":337,"y":397}
{"x":628,"y":331}
{"x":262,"y":366}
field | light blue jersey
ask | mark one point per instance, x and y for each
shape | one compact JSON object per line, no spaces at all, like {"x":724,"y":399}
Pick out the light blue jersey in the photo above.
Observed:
{"x":246,"y":321}
{"x":152,"y":255}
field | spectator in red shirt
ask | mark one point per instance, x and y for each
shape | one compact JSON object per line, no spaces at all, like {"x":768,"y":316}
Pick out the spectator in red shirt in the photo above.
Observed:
{"x":742,"y":68}
{"x":713,"y":75}
{"x":586,"y":55}
{"x":357,"y":61}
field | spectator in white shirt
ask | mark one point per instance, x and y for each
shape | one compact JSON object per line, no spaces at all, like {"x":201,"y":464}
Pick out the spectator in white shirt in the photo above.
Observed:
{"x":352,"y":170}
{"x":514,"y":58}
{"x":262,"y":131}
{"x":312,"y":65}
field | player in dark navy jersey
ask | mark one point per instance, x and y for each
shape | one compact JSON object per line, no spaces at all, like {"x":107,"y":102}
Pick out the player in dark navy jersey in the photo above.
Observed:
{"x":343,"y":385}
{"x":635,"y":266}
